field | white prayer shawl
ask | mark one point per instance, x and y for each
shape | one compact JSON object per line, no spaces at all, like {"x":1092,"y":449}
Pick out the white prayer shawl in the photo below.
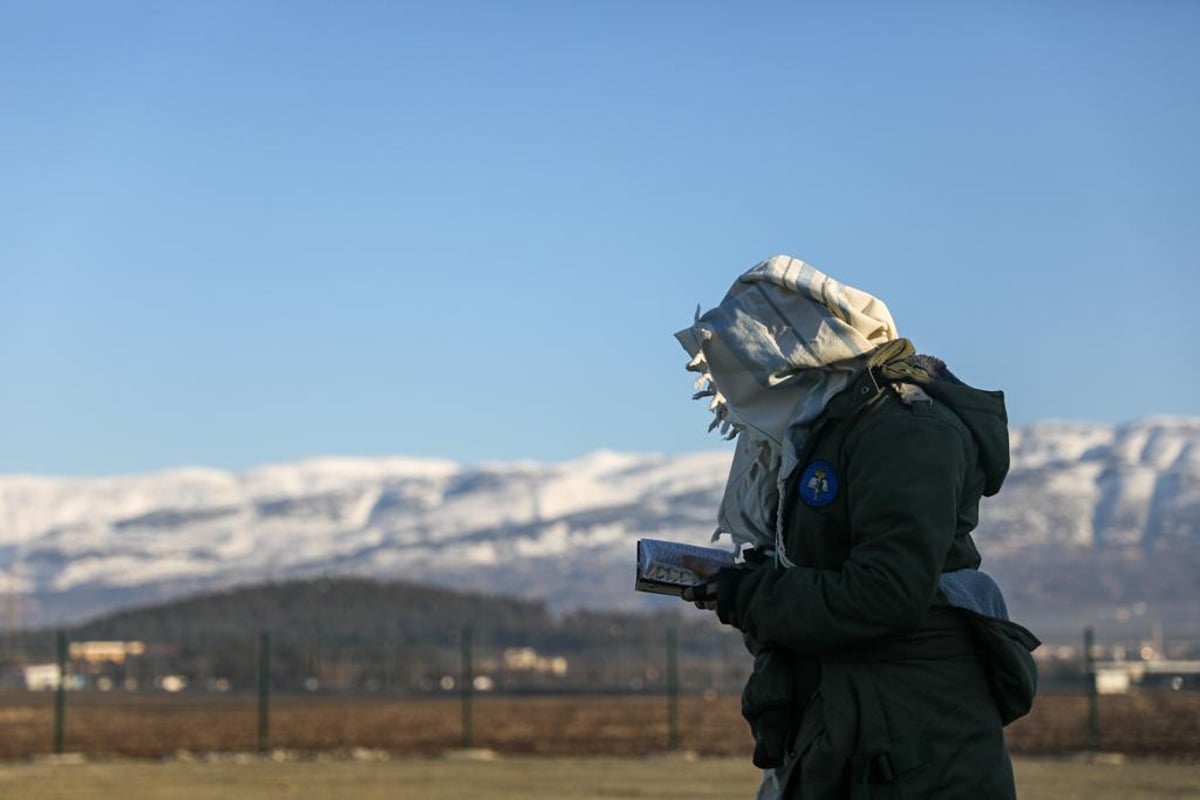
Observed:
{"x":785,"y":339}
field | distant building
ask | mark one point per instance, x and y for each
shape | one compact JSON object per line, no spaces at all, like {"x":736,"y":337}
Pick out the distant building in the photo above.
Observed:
{"x":526,"y":659}
{"x":41,"y":677}
{"x":1120,"y":677}
{"x":100,"y":652}
{"x":1112,"y":680}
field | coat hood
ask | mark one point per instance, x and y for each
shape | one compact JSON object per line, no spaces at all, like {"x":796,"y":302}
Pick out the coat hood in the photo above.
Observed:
{"x":982,"y":411}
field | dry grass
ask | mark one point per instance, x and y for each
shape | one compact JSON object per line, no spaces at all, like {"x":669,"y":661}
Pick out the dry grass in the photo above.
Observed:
{"x":1157,"y":724}
{"x":1163,"y":725}
{"x":522,"y":778}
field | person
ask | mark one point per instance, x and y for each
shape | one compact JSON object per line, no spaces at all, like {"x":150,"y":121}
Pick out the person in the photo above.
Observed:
{"x":884,"y":662}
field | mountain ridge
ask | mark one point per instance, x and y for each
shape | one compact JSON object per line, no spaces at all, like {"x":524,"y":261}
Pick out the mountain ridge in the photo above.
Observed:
{"x":70,"y":546}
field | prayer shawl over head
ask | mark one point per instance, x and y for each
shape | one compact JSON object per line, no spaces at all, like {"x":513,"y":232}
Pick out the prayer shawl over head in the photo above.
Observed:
{"x":785,"y":339}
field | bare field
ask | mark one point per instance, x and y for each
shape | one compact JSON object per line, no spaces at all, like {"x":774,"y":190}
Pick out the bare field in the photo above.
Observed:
{"x":1164,"y":725}
{"x":523,"y":778}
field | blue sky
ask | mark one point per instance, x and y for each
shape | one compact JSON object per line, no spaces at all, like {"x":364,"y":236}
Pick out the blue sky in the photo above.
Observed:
{"x":240,"y":232}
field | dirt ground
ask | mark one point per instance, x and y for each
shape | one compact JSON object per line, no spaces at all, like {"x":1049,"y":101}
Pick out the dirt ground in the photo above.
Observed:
{"x":1163,"y":725}
{"x":521,"y":778}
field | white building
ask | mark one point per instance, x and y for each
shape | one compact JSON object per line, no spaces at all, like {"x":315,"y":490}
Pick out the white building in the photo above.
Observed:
{"x":41,"y":677}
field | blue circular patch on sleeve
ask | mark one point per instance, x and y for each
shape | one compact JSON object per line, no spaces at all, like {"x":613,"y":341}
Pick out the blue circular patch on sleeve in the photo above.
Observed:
{"x":818,"y":484}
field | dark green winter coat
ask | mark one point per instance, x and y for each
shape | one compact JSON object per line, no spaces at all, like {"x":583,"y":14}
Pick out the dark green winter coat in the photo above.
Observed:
{"x":890,"y":694}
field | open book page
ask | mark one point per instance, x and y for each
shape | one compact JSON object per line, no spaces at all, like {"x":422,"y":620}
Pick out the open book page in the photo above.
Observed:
{"x":660,"y":567}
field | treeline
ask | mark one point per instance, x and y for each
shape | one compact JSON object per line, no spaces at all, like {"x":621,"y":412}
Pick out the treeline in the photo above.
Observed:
{"x":355,"y":633}
{"x":349,"y":611}
{"x":364,"y":612}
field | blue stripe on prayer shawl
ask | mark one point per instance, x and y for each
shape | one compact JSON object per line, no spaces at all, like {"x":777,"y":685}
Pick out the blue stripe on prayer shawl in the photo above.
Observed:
{"x":829,"y":294}
{"x":806,"y":346}
{"x":787,"y":271}
{"x":833,"y":299}
{"x":823,"y":291}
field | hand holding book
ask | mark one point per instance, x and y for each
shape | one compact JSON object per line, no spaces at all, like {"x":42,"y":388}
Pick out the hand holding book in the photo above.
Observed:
{"x":704,"y":594}
{"x":680,"y":569}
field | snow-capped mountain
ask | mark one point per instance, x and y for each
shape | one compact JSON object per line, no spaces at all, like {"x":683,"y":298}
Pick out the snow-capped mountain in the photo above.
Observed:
{"x":565,"y":531}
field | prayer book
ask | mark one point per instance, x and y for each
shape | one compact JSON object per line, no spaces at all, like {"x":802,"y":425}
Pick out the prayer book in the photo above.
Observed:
{"x":661,"y":570}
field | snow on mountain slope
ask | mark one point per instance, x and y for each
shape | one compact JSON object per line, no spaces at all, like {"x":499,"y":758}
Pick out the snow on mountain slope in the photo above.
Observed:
{"x":530,"y":528}
{"x":1098,"y":486}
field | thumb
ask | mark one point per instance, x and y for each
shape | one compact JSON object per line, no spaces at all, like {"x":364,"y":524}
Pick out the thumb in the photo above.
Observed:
{"x":702,"y":568}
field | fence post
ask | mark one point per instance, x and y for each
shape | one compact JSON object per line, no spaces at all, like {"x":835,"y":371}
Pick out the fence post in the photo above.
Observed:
{"x":60,"y":692}
{"x":264,"y":691}
{"x":468,"y":686}
{"x":672,"y":690}
{"x":1089,"y":667}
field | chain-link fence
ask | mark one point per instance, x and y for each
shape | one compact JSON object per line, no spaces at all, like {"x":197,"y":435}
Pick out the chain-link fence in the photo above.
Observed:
{"x":623,"y":693}
{"x":274,"y":690}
